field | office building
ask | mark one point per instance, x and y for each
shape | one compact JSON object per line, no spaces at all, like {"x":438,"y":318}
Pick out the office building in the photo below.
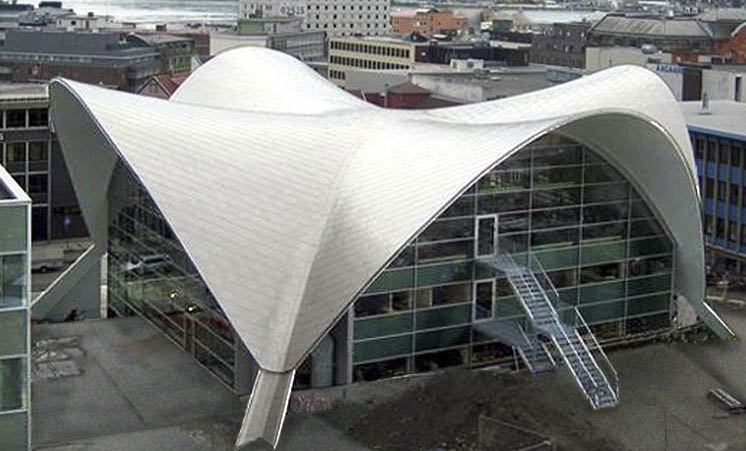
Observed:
{"x":29,"y":151}
{"x":718,"y":137}
{"x":427,"y":22}
{"x":336,"y":18}
{"x":306,"y":249}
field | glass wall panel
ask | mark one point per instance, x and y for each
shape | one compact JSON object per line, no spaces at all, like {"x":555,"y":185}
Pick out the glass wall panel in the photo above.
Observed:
{"x":13,"y":229}
{"x":13,"y":328}
{"x":13,"y":384}
{"x":386,"y":325}
{"x":442,"y":338}
{"x":13,"y":432}
{"x":385,"y":347}
{"x":648,"y":304}
{"x":13,"y":280}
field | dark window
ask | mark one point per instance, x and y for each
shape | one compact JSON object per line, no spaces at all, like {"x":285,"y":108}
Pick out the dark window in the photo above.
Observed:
{"x":711,"y":147}
{"x":724,"y":151}
{"x":39,"y":223}
{"x":735,"y":191}
{"x":15,"y":118}
{"x":720,"y":228}
{"x":710,"y":188}
{"x":722,"y":190}
{"x":732,"y":231}
{"x":38,"y":117}
{"x":735,"y":156}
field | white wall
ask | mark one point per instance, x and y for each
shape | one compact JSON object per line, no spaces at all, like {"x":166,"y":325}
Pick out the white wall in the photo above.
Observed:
{"x":598,"y":58}
{"x":721,"y":85}
{"x":672,"y":75}
{"x":224,"y":41}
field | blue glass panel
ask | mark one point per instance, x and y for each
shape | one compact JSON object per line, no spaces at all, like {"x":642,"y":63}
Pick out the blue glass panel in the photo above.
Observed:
{"x":721,"y":208}
{"x":723,"y":172}
{"x":731,"y":245}
{"x":709,"y":206}
{"x":732,"y":212}
{"x":734,"y":175}
{"x":718,"y":242}
{"x":711,"y":170}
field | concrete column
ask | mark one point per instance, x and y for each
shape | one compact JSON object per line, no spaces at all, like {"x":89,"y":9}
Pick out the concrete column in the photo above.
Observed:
{"x":246,"y":368}
{"x":322,"y":363}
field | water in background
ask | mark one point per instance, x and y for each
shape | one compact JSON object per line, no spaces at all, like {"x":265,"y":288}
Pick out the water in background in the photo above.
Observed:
{"x":226,"y":11}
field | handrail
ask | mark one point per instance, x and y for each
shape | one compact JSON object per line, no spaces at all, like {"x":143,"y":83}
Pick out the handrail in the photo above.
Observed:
{"x":524,"y":276}
{"x":525,"y":337}
{"x":601,"y":351}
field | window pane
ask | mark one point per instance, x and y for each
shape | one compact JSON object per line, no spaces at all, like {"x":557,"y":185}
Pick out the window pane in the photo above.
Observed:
{"x":13,"y":433}
{"x":12,"y":384}
{"x":13,"y":327}
{"x":37,"y":156}
{"x":13,"y":229}
{"x":38,"y":117}
{"x":452,"y":294}
{"x":13,"y":288}
{"x":483,"y":300}
{"x":448,"y":230}
{"x":379,"y":349}
{"x":15,"y":118}
{"x":556,"y":197}
{"x":15,"y":157}
{"x":486,"y":236}
{"x":382,"y":326}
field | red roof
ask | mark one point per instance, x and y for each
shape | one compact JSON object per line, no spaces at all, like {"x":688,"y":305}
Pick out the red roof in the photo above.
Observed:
{"x":170,"y":82}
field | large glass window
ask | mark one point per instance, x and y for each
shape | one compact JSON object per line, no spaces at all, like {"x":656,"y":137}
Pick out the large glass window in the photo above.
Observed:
{"x":15,"y":118}
{"x":587,"y":225}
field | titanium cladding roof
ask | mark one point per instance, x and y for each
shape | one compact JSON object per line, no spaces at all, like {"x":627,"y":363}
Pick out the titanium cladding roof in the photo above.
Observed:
{"x":290,"y":196}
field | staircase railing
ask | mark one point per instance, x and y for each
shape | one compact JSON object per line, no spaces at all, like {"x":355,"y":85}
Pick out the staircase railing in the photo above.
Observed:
{"x":596,"y":347}
{"x":592,"y":394}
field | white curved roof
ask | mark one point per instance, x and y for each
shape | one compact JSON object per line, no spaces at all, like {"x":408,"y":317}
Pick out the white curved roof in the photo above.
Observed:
{"x":290,"y":196}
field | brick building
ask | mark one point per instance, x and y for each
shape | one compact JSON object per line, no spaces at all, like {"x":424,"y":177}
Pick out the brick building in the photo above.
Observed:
{"x":561,"y":45}
{"x":427,"y":22}
{"x":104,"y":58}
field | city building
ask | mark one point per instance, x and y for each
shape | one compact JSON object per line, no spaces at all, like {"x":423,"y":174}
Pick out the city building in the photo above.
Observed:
{"x":563,"y":44}
{"x":163,"y":85}
{"x":685,"y":38}
{"x":277,"y":33}
{"x":427,"y":22}
{"x":15,"y":351}
{"x":175,"y":51}
{"x":308,"y":250}
{"x":105,"y":58}
{"x":599,"y":58}
{"x":29,"y":151}
{"x":375,"y":53}
{"x":718,"y":137}
{"x":336,"y":18}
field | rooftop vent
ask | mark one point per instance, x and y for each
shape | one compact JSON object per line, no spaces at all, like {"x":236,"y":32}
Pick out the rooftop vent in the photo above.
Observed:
{"x":705,"y":108}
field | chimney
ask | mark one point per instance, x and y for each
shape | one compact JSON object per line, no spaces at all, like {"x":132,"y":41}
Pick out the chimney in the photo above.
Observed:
{"x":705,"y":108}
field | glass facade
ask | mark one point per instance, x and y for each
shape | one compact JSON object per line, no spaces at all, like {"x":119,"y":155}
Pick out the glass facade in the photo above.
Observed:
{"x":14,"y":325}
{"x":595,"y":236}
{"x":150,"y":275}
{"x":721,"y":175}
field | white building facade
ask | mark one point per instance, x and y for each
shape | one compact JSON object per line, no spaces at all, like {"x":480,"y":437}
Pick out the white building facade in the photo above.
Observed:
{"x":335,"y":17}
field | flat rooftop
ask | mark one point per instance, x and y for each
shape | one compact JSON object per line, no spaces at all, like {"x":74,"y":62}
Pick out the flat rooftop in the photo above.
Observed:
{"x":725,"y":117}
{"x":9,"y":91}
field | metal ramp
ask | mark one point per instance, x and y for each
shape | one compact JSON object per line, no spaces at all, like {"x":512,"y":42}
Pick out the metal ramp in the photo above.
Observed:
{"x":576,"y":343}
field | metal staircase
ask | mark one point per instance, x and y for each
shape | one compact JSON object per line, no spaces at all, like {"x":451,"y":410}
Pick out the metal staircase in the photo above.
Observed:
{"x":576,"y":343}
{"x":532,"y":351}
